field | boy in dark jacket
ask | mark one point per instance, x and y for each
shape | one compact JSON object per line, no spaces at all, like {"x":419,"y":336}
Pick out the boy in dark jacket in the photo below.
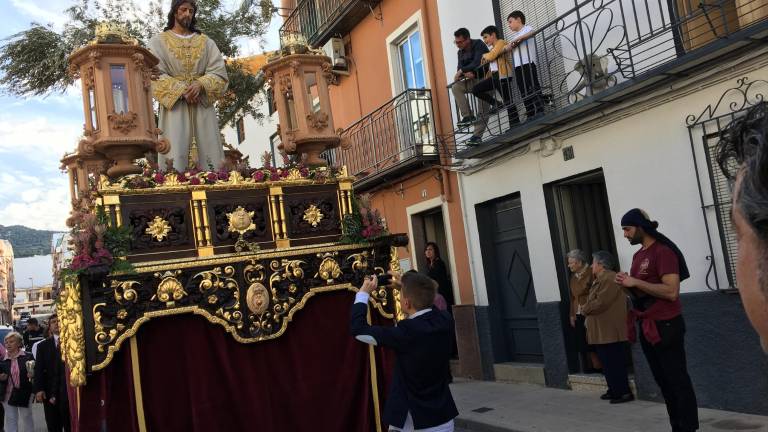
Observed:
{"x":419,"y":396}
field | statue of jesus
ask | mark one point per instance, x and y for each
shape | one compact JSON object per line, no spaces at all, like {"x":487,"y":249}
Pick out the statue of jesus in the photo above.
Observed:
{"x":192,"y":77}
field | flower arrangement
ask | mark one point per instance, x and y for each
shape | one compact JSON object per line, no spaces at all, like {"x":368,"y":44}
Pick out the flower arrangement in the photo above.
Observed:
{"x":94,"y":241}
{"x":152,"y":176}
{"x":364,"y":224}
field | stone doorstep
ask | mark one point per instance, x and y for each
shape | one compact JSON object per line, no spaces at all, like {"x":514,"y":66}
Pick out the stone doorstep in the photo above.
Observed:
{"x":526,"y":373}
{"x":594,"y":383}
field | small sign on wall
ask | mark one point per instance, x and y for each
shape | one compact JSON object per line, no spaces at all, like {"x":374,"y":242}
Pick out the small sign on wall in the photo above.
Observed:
{"x":405,"y":264}
{"x":568,"y":153}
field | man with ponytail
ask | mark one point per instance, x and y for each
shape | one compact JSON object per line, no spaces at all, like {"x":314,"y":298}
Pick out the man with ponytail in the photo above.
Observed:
{"x":654,"y":286}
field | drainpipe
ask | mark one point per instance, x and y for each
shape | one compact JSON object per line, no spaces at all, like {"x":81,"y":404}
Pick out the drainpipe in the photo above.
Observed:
{"x":445,"y":184}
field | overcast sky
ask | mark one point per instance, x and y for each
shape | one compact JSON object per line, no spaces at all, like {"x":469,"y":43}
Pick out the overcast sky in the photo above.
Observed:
{"x":36,"y":132}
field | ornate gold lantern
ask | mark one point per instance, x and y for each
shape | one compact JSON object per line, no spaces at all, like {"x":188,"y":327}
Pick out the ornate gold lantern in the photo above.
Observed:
{"x":300,"y":78}
{"x":116,"y":78}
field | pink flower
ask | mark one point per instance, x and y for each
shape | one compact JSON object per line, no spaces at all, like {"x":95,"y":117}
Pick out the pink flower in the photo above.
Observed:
{"x":284,"y":173}
{"x":274,"y":176}
{"x":223,"y":175}
{"x":258,"y":176}
{"x":159,"y":178}
{"x":182,"y":178}
{"x":194,"y":181}
{"x":304,"y":171}
{"x":211,"y":177}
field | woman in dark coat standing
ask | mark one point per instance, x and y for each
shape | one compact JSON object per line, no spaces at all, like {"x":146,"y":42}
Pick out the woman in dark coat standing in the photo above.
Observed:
{"x":437,"y":270}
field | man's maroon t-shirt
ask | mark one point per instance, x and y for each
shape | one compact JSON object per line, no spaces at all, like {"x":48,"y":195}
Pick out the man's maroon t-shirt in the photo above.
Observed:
{"x":651,"y":264}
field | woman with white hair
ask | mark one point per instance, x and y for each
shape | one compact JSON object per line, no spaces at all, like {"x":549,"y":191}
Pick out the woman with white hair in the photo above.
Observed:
{"x":15,"y":386}
{"x":581,"y":281}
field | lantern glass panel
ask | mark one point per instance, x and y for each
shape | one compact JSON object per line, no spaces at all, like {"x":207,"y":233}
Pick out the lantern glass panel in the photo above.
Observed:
{"x":119,"y":88}
{"x":313,"y":91}
{"x":92,"y":105}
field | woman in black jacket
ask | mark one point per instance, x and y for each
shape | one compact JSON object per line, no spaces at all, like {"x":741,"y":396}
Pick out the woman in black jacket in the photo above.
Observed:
{"x":15,"y":386}
{"x":437,"y":270}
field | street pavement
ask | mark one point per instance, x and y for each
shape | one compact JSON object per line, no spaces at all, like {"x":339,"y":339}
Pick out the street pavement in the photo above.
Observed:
{"x":500,"y":407}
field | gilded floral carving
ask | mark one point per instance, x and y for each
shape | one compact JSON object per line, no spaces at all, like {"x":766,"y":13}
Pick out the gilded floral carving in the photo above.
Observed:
{"x":123,"y":122}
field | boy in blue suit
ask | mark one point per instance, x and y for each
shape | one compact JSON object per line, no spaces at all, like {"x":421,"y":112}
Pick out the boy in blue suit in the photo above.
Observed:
{"x":419,"y":399}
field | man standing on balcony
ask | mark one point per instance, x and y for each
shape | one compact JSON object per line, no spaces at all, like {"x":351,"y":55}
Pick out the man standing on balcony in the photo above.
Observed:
{"x":470,"y":55}
{"x":192,"y":77}
{"x":654,"y":286}
{"x":524,"y":61}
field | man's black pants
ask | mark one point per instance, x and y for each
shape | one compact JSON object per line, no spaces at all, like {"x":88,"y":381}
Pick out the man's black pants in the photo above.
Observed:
{"x":668,"y":365}
{"x":613,"y":357}
{"x":527,"y":78}
{"x":57,"y":416}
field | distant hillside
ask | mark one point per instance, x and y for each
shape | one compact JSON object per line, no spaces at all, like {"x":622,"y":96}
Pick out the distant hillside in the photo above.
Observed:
{"x":27,"y":241}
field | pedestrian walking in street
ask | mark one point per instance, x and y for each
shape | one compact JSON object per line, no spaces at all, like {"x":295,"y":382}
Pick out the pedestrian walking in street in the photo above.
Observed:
{"x":654,"y":287}
{"x":16,"y":387}
{"x":606,"y":322}
{"x":579,"y":285}
{"x":419,"y":396}
{"x":32,"y":334}
{"x":743,"y":157}
{"x":50,"y":383}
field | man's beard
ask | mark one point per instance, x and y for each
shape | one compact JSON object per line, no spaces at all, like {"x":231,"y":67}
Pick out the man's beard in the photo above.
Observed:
{"x":636,"y":239}
{"x":185,"y":23}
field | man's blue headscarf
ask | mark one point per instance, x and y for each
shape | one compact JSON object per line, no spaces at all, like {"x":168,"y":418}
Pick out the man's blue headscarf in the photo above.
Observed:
{"x":638,"y":218}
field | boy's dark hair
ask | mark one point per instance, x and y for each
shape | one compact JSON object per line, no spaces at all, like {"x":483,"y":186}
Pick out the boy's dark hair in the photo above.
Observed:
{"x":743,"y":147}
{"x":419,"y":289}
{"x":461,"y":32}
{"x":53,"y":315}
{"x":517,"y":15}
{"x":491,"y":29}
{"x":32,"y":321}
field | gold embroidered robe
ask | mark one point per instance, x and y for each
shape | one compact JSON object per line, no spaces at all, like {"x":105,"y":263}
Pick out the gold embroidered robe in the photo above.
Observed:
{"x":182,"y":61}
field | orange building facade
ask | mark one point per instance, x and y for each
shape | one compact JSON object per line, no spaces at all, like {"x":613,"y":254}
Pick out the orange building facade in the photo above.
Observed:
{"x":390,"y":101}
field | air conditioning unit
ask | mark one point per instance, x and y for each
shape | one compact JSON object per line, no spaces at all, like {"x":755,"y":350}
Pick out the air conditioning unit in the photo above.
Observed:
{"x":334,"y":49}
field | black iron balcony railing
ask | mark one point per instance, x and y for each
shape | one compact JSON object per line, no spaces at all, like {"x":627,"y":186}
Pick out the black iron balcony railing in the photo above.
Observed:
{"x":393,"y":137}
{"x":595,"y":48}
{"x":317,"y":20}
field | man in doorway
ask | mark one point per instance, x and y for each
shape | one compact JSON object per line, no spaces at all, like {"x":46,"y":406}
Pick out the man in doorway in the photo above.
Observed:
{"x":32,"y":334}
{"x":743,"y":157}
{"x":50,"y":383}
{"x":524,"y":61}
{"x":192,"y":77}
{"x":654,"y":286}
{"x":470,"y":55}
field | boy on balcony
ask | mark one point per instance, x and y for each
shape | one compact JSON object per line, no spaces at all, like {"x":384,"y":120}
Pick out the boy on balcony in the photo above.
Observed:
{"x":524,"y":60}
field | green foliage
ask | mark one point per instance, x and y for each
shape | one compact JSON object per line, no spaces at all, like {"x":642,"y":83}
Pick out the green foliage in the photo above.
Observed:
{"x":34,"y":62}
{"x":27,"y":242}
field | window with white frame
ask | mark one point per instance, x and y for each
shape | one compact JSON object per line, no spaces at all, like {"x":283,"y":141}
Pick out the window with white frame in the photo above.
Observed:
{"x":411,"y":58}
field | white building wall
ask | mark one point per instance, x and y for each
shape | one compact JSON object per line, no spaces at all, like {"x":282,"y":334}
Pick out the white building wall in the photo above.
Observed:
{"x":647,"y":162}
{"x":257,"y":133}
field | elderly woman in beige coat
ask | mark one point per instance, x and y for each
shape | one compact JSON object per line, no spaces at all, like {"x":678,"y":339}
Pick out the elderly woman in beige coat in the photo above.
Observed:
{"x":606,"y":317}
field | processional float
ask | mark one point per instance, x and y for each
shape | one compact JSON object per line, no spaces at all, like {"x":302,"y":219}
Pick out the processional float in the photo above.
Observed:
{"x":229,"y":310}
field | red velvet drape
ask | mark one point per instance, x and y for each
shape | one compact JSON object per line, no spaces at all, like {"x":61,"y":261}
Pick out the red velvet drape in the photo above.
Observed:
{"x":196,"y":377}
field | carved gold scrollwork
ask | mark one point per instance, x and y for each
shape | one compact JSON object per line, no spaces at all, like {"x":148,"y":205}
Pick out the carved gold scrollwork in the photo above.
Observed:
{"x":218,"y":278}
{"x":241,"y":221}
{"x":359,"y":261}
{"x":72,"y":332}
{"x":169,"y":290}
{"x":104,"y":334}
{"x":394,"y":266}
{"x":329,"y":269}
{"x":254,"y":272}
{"x":124,"y":291}
{"x":292,"y":272}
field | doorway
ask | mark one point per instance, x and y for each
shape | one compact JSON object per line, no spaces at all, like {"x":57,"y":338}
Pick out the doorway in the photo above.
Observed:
{"x":429,"y":226}
{"x":579,"y":218}
{"x":511,"y":295}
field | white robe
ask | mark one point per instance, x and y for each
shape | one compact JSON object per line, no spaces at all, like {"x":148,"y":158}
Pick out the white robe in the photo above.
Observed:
{"x":182,"y":61}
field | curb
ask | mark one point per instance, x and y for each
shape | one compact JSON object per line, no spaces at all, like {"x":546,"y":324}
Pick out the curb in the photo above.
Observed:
{"x":476,"y":426}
